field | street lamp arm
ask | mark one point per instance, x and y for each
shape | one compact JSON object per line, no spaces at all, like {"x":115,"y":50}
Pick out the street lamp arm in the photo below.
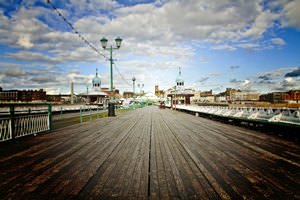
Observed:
{"x":111,"y":48}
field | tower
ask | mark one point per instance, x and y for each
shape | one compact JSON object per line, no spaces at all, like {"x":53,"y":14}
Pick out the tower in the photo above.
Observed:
{"x":96,"y":82}
{"x":179,"y":81}
{"x":156,"y":90}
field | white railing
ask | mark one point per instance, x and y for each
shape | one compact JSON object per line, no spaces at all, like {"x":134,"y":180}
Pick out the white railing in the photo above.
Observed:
{"x":5,"y":129}
{"x":283,"y":115}
{"x":16,"y":121}
{"x":31,"y":124}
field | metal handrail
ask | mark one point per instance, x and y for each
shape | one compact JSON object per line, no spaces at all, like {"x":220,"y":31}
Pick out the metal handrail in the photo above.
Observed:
{"x":16,"y":123}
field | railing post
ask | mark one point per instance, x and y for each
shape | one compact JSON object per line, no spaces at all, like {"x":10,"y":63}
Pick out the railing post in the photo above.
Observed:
{"x":80,"y":115}
{"x":91,"y":115}
{"x":61,"y":112}
{"x":50,"y":116}
{"x":97,"y":113}
{"x":12,"y":121}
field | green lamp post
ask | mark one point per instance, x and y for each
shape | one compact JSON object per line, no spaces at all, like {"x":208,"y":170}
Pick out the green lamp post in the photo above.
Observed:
{"x":118,"y":40}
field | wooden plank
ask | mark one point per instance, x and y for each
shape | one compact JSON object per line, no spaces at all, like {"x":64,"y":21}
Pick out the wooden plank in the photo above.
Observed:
{"x":160,"y":189}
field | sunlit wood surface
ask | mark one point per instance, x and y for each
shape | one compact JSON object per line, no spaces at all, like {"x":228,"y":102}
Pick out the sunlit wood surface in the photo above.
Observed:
{"x":151,"y":154}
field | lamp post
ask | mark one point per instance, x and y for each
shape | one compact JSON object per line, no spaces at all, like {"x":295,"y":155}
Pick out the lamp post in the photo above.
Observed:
{"x":133,"y":85}
{"x":118,"y":40}
{"x":175,"y":99}
{"x":87,"y":94}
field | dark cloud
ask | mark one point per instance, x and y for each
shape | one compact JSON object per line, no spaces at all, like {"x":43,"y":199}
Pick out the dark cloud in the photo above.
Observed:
{"x":38,"y":72}
{"x":14,"y":73}
{"x":266,"y":77}
{"x":294,"y":73}
{"x":32,"y":57}
{"x":82,"y":80}
{"x":215,"y":74}
{"x":234,"y":67}
{"x":43,"y":79}
{"x":202,"y":80}
{"x":265,"y":82}
{"x":287,"y":84}
{"x":234,"y":80}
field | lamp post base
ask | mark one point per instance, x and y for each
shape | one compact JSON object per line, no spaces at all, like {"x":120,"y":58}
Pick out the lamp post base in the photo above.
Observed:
{"x":111,"y":109}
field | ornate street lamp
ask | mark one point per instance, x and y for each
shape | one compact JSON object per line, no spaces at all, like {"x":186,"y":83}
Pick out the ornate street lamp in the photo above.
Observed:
{"x":118,"y":40}
{"x":104,"y":42}
{"x":133,"y":85}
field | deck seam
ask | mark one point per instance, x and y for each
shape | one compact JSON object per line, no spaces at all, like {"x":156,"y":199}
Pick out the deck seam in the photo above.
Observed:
{"x":149,"y":160}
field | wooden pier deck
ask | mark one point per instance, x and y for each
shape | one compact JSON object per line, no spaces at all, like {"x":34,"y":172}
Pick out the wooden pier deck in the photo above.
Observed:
{"x":151,"y":154}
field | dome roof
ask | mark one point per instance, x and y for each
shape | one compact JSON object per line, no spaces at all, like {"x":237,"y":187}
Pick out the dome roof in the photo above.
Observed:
{"x":96,"y":80}
{"x":179,"y":79}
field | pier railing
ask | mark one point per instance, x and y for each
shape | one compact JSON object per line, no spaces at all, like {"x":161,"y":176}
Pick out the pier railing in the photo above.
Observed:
{"x":264,"y":115}
{"x":22,"y":119}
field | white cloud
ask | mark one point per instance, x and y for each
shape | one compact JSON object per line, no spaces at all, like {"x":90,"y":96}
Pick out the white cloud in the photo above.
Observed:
{"x":8,"y":65}
{"x":14,"y":72}
{"x":80,"y":78}
{"x":24,"y":41}
{"x":245,"y":83}
{"x":292,"y":14}
{"x":262,"y":22}
{"x":51,"y":90}
{"x":93,"y":6}
{"x":50,"y":78}
{"x":278,"y":41}
{"x":290,"y":82}
{"x":286,"y":84}
{"x":224,"y":47}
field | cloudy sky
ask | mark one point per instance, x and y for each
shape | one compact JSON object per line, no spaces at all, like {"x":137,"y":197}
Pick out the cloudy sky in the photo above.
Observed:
{"x":251,"y":45}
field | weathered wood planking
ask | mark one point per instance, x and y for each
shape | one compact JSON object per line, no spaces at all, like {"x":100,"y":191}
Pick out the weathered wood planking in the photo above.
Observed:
{"x":151,"y":154}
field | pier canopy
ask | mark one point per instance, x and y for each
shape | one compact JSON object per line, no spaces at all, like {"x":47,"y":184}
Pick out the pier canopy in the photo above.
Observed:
{"x":96,"y":95}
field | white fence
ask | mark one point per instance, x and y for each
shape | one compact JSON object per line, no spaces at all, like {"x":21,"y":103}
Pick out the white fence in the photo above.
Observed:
{"x":16,"y":121}
{"x":282,"y":115}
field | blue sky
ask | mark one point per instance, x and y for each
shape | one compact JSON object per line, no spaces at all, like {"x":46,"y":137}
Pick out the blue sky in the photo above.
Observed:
{"x":249,"y":45}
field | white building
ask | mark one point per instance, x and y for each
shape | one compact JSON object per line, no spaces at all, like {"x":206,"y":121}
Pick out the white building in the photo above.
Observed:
{"x":95,"y":95}
{"x":178,"y":94}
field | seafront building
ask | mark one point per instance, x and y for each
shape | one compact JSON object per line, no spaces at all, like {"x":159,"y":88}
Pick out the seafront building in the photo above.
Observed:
{"x":22,"y":95}
{"x":95,"y":95}
{"x":292,"y":96}
{"x":179,"y":94}
{"x":158,"y":92}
